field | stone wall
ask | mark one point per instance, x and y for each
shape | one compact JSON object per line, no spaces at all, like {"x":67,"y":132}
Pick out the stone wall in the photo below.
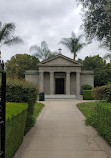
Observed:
{"x":32,"y":76}
{"x":73,"y":83}
{"x":87,"y":77}
{"x":47,"y":83}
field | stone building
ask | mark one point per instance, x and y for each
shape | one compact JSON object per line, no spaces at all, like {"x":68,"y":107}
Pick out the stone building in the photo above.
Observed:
{"x":60,"y":77}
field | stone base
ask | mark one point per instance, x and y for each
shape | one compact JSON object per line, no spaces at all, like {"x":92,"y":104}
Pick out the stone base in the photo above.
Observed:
{"x":60,"y":97}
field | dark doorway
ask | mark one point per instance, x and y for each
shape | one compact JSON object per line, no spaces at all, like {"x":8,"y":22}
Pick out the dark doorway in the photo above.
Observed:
{"x":59,"y":85}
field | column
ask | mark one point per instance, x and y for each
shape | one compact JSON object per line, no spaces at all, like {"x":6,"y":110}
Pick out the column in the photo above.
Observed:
{"x":68,"y":83}
{"x":41,"y":81}
{"x":78,"y":84}
{"x":51,"y":83}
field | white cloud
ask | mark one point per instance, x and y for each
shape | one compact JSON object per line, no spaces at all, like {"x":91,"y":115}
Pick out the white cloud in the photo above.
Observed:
{"x":39,"y":20}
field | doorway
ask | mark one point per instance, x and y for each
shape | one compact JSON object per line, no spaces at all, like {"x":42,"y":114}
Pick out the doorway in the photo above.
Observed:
{"x":59,"y":86}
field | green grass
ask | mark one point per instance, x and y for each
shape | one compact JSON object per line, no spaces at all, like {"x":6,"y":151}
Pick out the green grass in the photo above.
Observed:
{"x":37,"y":109}
{"x":87,"y":108}
{"x":13,"y":109}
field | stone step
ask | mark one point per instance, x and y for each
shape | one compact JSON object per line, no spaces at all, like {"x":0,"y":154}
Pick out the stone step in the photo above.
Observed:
{"x":60,"y":97}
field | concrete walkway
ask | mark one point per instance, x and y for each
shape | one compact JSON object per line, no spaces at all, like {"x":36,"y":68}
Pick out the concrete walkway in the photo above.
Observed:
{"x":60,"y":133}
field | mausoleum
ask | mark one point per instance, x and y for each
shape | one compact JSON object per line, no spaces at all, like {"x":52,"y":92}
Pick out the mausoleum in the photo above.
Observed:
{"x":60,"y":77}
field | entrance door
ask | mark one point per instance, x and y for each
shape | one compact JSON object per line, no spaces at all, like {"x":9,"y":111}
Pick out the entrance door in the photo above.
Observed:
{"x":59,"y":85}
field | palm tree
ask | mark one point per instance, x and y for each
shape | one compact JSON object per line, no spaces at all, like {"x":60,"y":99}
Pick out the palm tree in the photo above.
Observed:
{"x":42,"y":52}
{"x":73,"y":44}
{"x":107,"y":56}
{"x":7,"y":35}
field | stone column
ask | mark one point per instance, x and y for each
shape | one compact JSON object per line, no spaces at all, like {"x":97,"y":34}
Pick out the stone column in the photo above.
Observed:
{"x":51,"y":83}
{"x":68,"y":83}
{"x":41,"y":81}
{"x":78,"y":84}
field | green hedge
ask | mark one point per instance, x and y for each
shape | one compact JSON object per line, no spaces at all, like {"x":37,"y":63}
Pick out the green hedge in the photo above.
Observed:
{"x":87,"y":95}
{"x":85,"y":87}
{"x":16,"y":114}
{"x":101,"y":120}
{"x":22,"y":91}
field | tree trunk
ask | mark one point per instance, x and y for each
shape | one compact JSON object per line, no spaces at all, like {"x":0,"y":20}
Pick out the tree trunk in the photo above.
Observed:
{"x":74,"y":56}
{"x":0,"y":54}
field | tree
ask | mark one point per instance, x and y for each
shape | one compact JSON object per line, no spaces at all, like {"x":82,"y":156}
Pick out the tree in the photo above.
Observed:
{"x":91,"y":63}
{"x":107,"y":56}
{"x":16,"y":66}
{"x":7,"y":35}
{"x":42,"y":52}
{"x":73,"y":44}
{"x":102,"y":70}
{"x":97,"y":20}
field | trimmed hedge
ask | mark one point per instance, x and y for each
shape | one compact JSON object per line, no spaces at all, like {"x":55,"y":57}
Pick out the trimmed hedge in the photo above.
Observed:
{"x":16,"y":114}
{"x":101,"y":120}
{"x":85,"y":87}
{"x":87,"y":95}
{"x":103,"y":93}
{"x":22,"y":91}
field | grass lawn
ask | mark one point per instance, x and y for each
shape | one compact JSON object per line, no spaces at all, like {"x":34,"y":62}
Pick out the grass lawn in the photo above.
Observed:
{"x":98,"y":115}
{"x":37,"y":109}
{"x":87,"y":108}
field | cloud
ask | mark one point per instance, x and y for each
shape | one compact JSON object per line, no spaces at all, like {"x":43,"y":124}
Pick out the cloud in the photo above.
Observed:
{"x":39,"y":20}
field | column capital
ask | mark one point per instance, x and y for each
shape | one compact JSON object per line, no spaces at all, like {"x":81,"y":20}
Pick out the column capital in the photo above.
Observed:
{"x":68,"y":72}
{"x":51,"y":72}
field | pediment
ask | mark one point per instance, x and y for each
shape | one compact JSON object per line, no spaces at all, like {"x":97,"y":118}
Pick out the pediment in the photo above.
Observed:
{"x":59,"y":60}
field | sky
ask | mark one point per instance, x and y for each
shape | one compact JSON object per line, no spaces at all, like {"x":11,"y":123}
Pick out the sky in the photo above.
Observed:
{"x":49,"y":20}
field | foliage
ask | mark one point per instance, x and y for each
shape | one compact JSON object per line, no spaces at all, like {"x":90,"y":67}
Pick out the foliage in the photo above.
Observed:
{"x":42,"y":52}
{"x":102,"y":120}
{"x":94,"y":62}
{"x":97,"y":20}
{"x":98,"y":115}
{"x":87,"y":95}
{"x":103,"y":93}
{"x":22,"y":91}
{"x":16,"y":114}
{"x":107,"y":56}
{"x":102,"y":70}
{"x":85,"y":87}
{"x":73,"y":43}
{"x":16,"y":66}
{"x":7,"y":35}
{"x":37,"y":109}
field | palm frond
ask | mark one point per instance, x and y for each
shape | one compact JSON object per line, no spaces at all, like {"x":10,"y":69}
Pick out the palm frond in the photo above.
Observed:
{"x":0,"y":25}
{"x":107,"y":56}
{"x":7,"y":31}
{"x":35,"y":49}
{"x":14,"y":40}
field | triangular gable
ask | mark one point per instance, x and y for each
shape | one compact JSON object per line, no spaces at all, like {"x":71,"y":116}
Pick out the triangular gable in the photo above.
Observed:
{"x":59,"y":60}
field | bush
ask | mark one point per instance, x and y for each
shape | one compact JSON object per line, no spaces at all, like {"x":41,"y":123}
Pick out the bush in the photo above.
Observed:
{"x":16,"y":114}
{"x":87,"y":95}
{"x":103,"y":93}
{"x":85,"y":87}
{"x":101,"y":120}
{"x":22,"y":91}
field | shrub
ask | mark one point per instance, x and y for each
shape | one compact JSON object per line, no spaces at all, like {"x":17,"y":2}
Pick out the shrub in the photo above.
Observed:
{"x":22,"y":91}
{"x":85,"y":87}
{"x":87,"y":95}
{"x":101,"y":120}
{"x":103,"y":93}
{"x":16,"y":114}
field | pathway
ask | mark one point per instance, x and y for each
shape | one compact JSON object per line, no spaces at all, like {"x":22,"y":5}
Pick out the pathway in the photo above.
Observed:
{"x":60,"y":133}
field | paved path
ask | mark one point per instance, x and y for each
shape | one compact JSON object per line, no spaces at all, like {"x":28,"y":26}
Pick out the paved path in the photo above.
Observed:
{"x":60,"y":133}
